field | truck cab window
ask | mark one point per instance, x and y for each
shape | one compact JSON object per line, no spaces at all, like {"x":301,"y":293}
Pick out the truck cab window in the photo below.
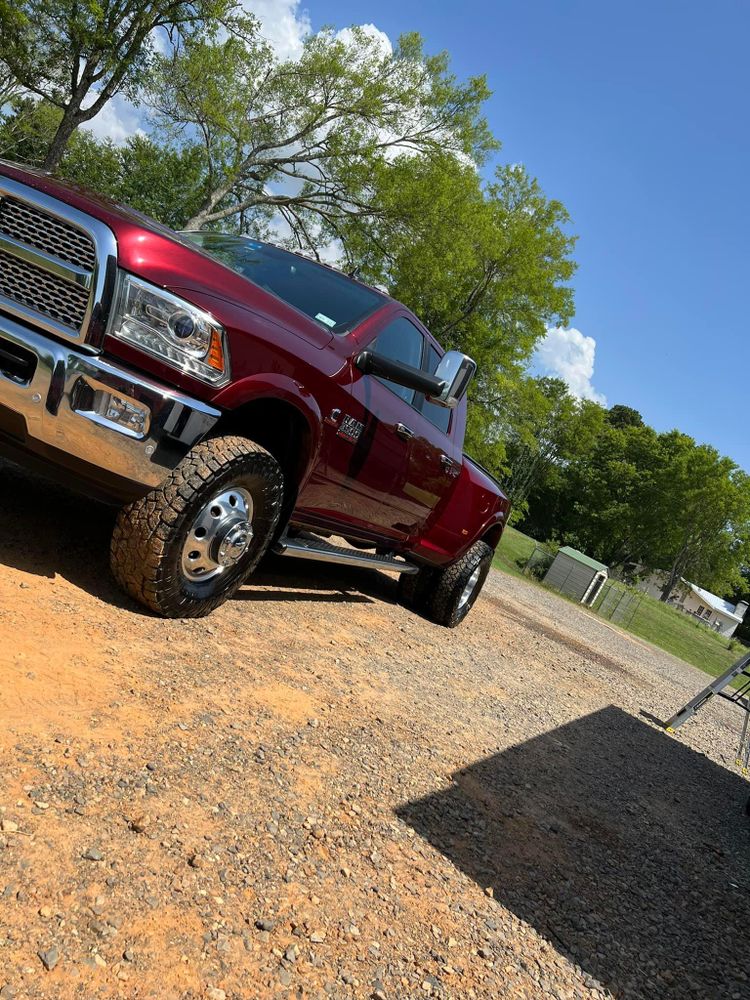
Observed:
{"x":400,"y":341}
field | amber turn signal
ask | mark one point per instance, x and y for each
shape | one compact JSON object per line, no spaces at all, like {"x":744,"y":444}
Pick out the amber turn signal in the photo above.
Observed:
{"x":215,"y":357}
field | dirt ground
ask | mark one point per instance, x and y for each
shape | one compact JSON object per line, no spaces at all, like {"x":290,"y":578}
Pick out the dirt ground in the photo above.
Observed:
{"x":314,"y":793}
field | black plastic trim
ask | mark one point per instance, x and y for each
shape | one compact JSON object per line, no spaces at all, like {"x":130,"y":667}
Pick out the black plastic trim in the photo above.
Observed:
{"x":372,"y":363}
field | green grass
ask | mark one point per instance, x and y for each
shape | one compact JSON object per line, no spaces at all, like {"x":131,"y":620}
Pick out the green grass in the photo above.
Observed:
{"x":514,"y":545}
{"x":678,"y":634}
{"x":655,"y":622}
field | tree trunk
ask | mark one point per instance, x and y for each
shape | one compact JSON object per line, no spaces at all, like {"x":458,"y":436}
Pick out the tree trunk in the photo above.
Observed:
{"x":666,"y":591}
{"x":212,"y":199}
{"x":198,"y":220}
{"x":57,"y":148}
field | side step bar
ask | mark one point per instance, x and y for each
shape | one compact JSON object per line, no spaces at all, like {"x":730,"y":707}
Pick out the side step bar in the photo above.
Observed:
{"x":307,"y":546}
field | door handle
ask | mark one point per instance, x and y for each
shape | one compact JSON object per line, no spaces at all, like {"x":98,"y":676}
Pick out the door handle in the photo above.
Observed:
{"x":404,"y":432}
{"x":449,"y":465}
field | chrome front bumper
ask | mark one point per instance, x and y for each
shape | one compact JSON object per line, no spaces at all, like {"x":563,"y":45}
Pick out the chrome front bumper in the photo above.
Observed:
{"x":58,"y":401}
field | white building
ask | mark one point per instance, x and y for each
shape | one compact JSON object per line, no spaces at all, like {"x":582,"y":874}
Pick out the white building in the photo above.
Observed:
{"x":719,"y":615}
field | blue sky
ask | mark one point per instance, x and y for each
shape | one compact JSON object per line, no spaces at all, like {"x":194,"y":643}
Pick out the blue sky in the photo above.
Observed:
{"x":635,"y":116}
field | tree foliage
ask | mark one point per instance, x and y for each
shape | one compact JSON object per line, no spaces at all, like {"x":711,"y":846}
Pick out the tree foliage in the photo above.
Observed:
{"x":8,"y":85}
{"x":547,"y":430}
{"x":624,"y":416}
{"x":162,"y":181}
{"x":707,"y":537}
{"x":638,"y":500}
{"x":76,"y":55}
{"x":303,"y":138}
{"x":485,"y":266}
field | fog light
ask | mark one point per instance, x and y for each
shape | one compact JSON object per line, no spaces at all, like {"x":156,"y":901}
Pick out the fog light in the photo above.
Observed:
{"x":108,"y":409}
{"x":100,"y":404}
{"x":123,"y":412}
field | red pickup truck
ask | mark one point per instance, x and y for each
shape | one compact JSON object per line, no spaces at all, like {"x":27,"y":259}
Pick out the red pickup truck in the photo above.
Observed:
{"x":233,"y":397}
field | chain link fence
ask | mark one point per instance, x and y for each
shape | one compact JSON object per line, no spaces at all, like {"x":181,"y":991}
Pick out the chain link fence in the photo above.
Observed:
{"x":538,"y":562}
{"x":618,"y":604}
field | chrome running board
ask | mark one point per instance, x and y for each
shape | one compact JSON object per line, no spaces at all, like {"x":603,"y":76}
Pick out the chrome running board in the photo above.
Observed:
{"x":308,"y":546}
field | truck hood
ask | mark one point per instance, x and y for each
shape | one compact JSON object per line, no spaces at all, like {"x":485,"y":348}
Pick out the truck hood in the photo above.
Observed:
{"x":158,"y":254}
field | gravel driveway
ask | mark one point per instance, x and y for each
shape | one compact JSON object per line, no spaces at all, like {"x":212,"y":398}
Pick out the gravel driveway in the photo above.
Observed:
{"x":314,"y":793}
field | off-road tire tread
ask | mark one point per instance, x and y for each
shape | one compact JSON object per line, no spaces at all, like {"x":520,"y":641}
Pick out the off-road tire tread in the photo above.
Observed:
{"x":441,"y":603}
{"x":143,"y":529}
{"x":414,"y":588}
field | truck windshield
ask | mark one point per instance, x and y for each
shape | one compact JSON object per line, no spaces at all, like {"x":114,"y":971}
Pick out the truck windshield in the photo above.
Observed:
{"x":332,"y":299}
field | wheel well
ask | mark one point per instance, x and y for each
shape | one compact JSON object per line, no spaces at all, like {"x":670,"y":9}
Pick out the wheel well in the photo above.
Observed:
{"x":493,"y":536}
{"x":282,"y":430}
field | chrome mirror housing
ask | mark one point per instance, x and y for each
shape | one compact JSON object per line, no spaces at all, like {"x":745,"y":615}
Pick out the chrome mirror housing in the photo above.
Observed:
{"x":455,"y":370}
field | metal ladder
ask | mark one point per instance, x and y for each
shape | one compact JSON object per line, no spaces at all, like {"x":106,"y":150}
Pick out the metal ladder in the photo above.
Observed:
{"x":738,"y":696}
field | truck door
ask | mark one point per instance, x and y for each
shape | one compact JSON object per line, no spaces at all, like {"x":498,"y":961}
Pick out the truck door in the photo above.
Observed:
{"x":403,"y":463}
{"x":386,"y":461}
{"x":434,"y":461}
{"x":364,"y":461}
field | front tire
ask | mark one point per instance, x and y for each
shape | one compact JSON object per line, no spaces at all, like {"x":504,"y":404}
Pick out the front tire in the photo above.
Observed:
{"x":186,"y":547}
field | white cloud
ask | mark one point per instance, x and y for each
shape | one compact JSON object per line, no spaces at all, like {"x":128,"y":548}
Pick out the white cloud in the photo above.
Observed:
{"x":283,"y":24}
{"x":569,"y":355}
{"x":346,"y":35}
{"x":117,"y":120}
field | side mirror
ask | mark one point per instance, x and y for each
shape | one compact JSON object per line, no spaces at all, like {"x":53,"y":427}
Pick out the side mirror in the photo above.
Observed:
{"x":455,"y":370}
{"x":372,"y":363}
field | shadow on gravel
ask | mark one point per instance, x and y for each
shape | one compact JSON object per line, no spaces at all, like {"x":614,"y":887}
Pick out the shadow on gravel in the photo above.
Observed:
{"x":627,"y":850}
{"x":48,"y":530}
{"x":272,"y":596}
{"x":296,"y":578}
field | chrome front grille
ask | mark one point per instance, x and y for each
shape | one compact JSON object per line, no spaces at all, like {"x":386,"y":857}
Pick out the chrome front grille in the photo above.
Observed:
{"x":53,"y":236}
{"x":57,"y":265}
{"x":42,"y":292}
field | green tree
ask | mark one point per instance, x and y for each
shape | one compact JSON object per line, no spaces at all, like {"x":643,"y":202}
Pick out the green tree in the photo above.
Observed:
{"x":649,"y":501}
{"x":624,"y":416}
{"x":161,"y":181}
{"x":548,"y":429}
{"x":706,"y":499}
{"x":164,"y":182}
{"x":303,"y":139}
{"x":26,"y":129}
{"x":8,"y":86}
{"x":610,"y":504}
{"x":485,"y":266}
{"x":78,"y":54}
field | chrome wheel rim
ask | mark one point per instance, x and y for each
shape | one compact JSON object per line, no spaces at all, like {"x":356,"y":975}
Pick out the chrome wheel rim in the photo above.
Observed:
{"x":471,"y":586}
{"x":219,"y":536}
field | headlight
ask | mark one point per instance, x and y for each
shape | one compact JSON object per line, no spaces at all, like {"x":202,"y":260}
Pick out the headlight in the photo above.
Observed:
{"x":170,"y":328}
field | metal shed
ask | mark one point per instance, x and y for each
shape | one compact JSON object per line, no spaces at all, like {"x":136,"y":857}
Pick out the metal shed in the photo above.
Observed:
{"x":576,"y":575}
